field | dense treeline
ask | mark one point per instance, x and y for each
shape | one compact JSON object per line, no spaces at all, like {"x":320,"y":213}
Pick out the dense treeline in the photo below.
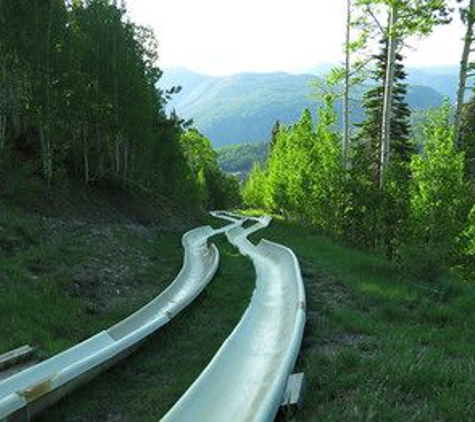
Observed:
{"x":216,"y":190}
{"x":78,"y":99}
{"x":413,"y":201}
{"x":240,"y":158}
{"x":420,"y":217}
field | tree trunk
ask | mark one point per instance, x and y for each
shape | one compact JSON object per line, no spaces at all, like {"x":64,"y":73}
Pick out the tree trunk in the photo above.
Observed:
{"x":132,"y":161}
{"x":3,"y":104}
{"x":117,"y":158}
{"x":14,"y":106}
{"x":3,"y":131}
{"x":86,"y":165}
{"x":126,"y":160}
{"x":46,"y":155}
{"x":388,"y":97}
{"x":346,"y":97}
{"x":464,"y":62}
{"x":45,"y":114}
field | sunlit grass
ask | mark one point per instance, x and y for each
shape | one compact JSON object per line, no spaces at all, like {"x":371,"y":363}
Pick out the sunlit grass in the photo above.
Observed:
{"x":382,"y":346}
{"x":379,"y":345}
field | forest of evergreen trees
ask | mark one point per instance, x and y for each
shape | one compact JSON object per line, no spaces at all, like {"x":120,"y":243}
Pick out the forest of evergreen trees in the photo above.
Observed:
{"x":375,"y":185}
{"x":79,"y":101}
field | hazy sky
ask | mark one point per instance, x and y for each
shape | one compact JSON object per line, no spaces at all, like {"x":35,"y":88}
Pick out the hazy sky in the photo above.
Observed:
{"x":228,"y":36}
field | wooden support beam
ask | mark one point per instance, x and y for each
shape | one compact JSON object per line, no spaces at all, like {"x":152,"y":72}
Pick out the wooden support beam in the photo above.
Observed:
{"x":16,"y":356}
{"x":293,"y":393}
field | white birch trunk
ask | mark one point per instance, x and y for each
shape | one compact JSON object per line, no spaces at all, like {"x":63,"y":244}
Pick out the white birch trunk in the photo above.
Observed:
{"x":346,"y":96}
{"x":86,"y":165}
{"x":117,"y":157}
{"x":46,"y":155}
{"x":3,"y":130}
{"x":388,"y":97}
{"x":126,"y":160}
{"x":3,"y":105}
{"x":464,"y":62}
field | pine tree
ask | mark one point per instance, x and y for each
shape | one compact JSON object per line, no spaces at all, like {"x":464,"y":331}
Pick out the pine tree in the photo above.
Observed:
{"x":368,"y":139}
{"x":405,"y":18}
{"x":274,"y":134}
{"x":383,"y":208}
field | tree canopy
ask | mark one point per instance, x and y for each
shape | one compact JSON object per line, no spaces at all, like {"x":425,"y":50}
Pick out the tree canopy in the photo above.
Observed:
{"x":79,"y":99}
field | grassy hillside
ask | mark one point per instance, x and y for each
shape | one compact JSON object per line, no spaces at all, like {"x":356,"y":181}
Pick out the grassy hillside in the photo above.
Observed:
{"x":378,"y":344}
{"x":78,"y":263}
{"x":243,"y":108}
{"x":147,"y":384}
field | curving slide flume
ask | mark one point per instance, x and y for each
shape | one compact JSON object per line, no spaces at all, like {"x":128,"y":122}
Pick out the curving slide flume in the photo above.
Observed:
{"x":30,"y":391}
{"x":246,"y":379}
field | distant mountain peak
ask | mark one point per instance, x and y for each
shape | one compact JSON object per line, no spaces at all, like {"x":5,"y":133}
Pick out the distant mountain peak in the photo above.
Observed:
{"x":243,"y":107}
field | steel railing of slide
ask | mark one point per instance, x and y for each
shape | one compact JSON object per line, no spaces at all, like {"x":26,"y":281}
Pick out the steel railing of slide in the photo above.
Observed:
{"x":32,"y":390}
{"x":246,"y":379}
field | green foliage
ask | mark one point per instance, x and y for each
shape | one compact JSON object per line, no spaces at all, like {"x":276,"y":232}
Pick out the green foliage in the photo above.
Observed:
{"x":368,"y":138}
{"x":216,"y":190}
{"x":420,"y":215}
{"x":304,"y":176}
{"x":275,"y":192}
{"x":224,"y":190}
{"x":376,"y":216}
{"x":241,"y":158}
{"x":467,"y":240}
{"x":416,"y":17}
{"x":438,"y":193}
{"x":253,"y":192}
{"x":328,"y":195}
{"x":467,"y":136}
{"x":80,"y":101}
{"x":197,"y":150}
{"x":298,"y":166}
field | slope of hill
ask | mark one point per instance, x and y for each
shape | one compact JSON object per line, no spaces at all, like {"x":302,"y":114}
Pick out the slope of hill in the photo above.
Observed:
{"x":243,"y":107}
{"x":239,"y":159}
{"x":443,"y":79}
{"x":373,"y":335}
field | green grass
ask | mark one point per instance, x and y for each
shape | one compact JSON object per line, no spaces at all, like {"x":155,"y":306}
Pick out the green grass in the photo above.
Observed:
{"x":145,"y":386}
{"x":378,"y":344}
{"x":58,"y":286}
{"x":38,"y":304}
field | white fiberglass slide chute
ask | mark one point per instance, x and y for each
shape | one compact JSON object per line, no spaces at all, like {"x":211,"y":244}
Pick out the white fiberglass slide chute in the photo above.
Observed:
{"x":246,"y":379}
{"x":33,"y":389}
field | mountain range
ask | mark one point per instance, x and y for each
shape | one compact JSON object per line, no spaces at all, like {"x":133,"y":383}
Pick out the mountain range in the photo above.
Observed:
{"x":242,"y":108}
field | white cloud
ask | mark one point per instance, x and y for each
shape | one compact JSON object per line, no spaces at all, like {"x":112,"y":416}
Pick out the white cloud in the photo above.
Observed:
{"x":228,"y":36}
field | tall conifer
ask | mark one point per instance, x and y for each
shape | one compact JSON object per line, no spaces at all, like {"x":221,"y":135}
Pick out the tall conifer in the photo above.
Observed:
{"x":368,"y":139}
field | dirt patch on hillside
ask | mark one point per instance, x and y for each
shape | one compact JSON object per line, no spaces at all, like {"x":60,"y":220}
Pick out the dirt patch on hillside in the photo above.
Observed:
{"x":325,"y":297}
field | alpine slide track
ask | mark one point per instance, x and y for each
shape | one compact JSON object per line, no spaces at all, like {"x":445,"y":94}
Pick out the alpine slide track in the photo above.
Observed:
{"x":247,"y":379}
